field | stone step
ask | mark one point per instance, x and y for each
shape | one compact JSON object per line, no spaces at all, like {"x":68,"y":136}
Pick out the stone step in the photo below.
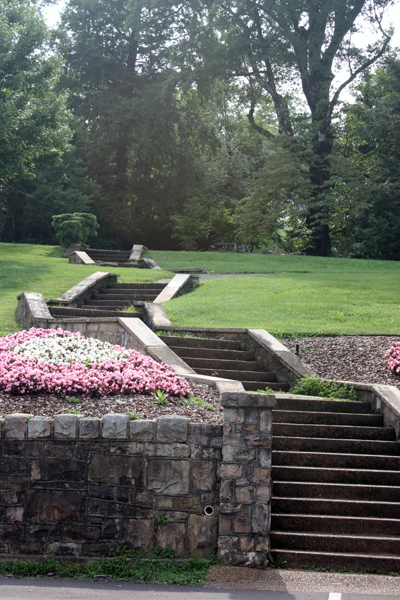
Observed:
{"x":193,"y":342}
{"x":131,"y":297}
{"x":91,"y":312}
{"x":339,"y":560}
{"x":116,"y":294}
{"x":213,"y":353}
{"x":340,"y":406}
{"x":225,"y":365}
{"x":134,"y":286}
{"x":307,"y":444}
{"x":260,"y":376}
{"x":336,"y":524}
{"x":342,"y":432}
{"x":254,"y":386}
{"x":366,"y":476}
{"x":332,"y":491}
{"x":327,"y":418}
{"x":324,"y":542}
{"x":113,"y":304}
{"x":335,"y":460}
{"x":125,"y":254}
{"x":335,"y":507}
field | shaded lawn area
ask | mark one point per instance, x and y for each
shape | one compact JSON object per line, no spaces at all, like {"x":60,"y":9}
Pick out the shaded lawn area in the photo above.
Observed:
{"x":341,"y":301}
{"x":33,"y":268}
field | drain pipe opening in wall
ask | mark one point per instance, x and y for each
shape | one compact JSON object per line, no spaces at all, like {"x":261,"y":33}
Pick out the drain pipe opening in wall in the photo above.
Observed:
{"x":209,"y":511}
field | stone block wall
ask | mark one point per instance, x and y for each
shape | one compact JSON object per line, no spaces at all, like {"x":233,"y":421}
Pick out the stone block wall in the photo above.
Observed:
{"x":76,"y":486}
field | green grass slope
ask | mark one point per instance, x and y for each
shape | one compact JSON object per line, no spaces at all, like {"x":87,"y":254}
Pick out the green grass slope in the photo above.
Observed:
{"x":29,"y":268}
{"x":298,"y":294}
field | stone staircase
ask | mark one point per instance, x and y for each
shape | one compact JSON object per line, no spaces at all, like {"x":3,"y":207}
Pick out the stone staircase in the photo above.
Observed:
{"x":336,"y":486}
{"x":224,"y":358}
{"x":112,"y":301}
{"x":116,"y":256}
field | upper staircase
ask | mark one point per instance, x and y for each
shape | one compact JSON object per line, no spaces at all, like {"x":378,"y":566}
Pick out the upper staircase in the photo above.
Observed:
{"x":114,"y":256}
{"x":336,"y":486}
{"x":224,"y":358}
{"x":112,"y":301}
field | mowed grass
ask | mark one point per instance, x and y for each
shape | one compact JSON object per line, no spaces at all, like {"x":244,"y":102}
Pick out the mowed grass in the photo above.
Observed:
{"x":300,"y":295}
{"x":31,"y":268}
{"x":297,"y":295}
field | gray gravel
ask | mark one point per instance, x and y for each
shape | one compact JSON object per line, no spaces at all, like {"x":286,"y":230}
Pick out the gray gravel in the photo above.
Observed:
{"x":349,"y":358}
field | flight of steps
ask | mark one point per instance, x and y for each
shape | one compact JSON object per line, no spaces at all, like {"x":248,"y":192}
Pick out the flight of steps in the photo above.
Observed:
{"x":113,"y":301}
{"x":224,"y":358}
{"x":336,"y":486}
{"x":115,"y":256}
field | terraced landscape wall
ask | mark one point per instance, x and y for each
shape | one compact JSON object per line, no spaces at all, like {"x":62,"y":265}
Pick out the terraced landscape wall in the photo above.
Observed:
{"x":76,"y":486}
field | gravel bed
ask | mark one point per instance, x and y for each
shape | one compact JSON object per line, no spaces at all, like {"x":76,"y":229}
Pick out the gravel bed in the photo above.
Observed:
{"x":144,"y":405}
{"x":348,"y":358}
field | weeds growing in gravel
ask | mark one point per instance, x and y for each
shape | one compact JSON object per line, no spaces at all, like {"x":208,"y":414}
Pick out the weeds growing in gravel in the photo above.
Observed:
{"x":313,"y":386}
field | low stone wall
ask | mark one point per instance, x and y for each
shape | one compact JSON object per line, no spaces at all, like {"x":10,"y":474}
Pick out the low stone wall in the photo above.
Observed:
{"x":79,"y":486}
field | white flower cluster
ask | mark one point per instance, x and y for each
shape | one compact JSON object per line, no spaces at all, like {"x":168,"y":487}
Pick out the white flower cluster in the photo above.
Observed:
{"x":55,"y":350}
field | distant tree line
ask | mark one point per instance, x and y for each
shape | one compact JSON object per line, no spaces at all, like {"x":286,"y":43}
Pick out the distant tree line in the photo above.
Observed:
{"x":182,"y":124}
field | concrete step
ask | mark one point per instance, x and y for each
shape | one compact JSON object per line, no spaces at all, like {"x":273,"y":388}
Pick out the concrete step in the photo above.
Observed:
{"x":214,"y":353}
{"x":339,"y":560}
{"x":91,"y":312}
{"x":324,"y":542}
{"x":332,"y":491}
{"x":225,"y":365}
{"x":260,"y":376}
{"x":99,"y":254}
{"x":193,"y":342}
{"x":364,"y":476}
{"x":335,"y":524}
{"x":327,"y":418}
{"x":335,"y":507}
{"x":335,"y":460}
{"x":342,"y":432}
{"x":254,"y":386}
{"x":308,"y":444}
{"x":340,"y":406}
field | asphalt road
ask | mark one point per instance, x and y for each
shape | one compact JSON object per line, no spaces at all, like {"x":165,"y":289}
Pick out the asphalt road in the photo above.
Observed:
{"x":31,"y":589}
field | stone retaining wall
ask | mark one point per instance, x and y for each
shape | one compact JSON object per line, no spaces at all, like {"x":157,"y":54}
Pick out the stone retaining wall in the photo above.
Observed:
{"x":79,"y":486}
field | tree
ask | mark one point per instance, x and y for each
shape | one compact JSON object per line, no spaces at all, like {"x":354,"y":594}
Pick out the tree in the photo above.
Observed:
{"x":281,"y":44}
{"x":34,"y":121}
{"x":135,"y":129}
{"x":366,"y":193}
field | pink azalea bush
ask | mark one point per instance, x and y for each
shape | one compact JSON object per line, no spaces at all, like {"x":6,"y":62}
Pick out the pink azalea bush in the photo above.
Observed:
{"x":133,"y":374}
{"x":393,"y":356}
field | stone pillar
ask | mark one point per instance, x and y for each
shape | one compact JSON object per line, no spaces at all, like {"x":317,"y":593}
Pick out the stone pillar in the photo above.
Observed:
{"x":245,"y":472}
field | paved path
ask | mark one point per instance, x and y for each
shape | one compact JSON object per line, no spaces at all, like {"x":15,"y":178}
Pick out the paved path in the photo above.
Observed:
{"x":35,"y":589}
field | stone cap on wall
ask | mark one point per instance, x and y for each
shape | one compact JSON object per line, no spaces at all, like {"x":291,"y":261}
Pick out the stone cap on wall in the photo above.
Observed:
{"x":166,"y":429}
{"x":280,"y":352}
{"x":83,"y":286}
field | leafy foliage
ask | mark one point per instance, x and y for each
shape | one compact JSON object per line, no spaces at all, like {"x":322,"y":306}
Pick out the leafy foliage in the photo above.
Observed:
{"x":74,"y":227}
{"x":312,"y":386}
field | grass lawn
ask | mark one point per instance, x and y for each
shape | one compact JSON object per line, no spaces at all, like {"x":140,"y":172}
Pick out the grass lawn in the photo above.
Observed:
{"x":30,"y":268}
{"x":298,"y":295}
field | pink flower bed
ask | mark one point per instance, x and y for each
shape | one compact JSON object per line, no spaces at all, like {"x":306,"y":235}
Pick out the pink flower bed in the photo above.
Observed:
{"x":136,"y":374}
{"x":393,"y":356}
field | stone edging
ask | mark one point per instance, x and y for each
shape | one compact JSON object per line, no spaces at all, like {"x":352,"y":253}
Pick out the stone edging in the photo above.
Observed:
{"x":78,"y":291}
{"x":80,"y":258}
{"x":136,"y":252}
{"x":180,"y":284}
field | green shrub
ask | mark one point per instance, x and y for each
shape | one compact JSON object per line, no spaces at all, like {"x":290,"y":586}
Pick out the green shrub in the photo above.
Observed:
{"x":312,"y":386}
{"x":73,"y":228}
